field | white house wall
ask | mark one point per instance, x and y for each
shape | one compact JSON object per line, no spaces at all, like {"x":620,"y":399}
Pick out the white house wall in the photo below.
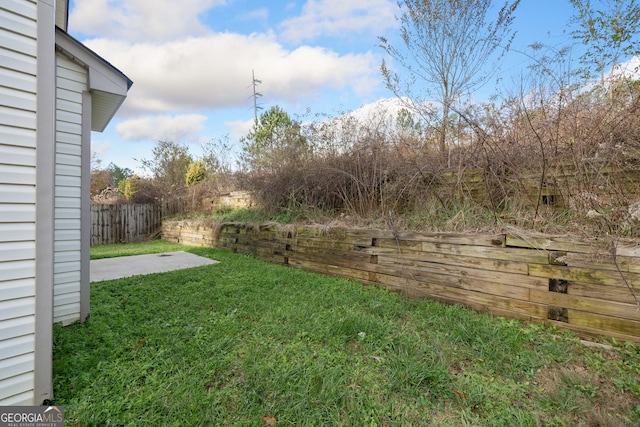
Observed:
{"x":71,"y":82}
{"x":18,"y":101}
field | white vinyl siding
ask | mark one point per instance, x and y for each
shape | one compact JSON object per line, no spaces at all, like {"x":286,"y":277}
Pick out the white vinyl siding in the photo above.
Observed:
{"x":18,"y":100}
{"x":71,"y":82}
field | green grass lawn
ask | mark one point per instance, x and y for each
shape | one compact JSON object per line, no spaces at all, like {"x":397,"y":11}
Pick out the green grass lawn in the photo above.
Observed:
{"x":118,"y":249}
{"x":248,"y":343}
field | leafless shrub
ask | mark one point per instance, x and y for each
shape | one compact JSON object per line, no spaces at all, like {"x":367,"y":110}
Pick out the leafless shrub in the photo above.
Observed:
{"x":549,"y":158}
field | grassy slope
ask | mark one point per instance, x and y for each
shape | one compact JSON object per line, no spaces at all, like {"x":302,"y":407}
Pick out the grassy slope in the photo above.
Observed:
{"x":244,"y":342}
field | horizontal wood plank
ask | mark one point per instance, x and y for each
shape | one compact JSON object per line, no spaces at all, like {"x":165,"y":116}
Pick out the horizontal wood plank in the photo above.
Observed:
{"x":609,"y":293}
{"x":556,"y":244}
{"x":585,"y":275}
{"x":455,"y":260}
{"x":585,"y":304}
{"x":604,"y":323}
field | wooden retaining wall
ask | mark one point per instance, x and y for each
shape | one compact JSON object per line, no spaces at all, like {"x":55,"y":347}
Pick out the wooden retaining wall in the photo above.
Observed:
{"x":576,"y":285}
{"x":563,"y":181}
{"x":234,"y":200}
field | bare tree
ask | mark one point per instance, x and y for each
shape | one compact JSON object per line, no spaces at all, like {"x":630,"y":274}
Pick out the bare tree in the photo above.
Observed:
{"x":448,"y":44}
{"x":169,"y":165}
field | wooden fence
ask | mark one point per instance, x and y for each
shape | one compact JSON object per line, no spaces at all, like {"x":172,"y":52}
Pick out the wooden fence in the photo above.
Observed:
{"x":584,"y":286}
{"x":126,"y":223}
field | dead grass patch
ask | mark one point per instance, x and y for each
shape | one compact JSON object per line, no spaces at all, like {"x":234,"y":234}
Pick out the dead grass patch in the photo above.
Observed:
{"x":585,"y":397}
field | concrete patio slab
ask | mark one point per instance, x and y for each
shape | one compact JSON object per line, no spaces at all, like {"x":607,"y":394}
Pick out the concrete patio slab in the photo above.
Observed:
{"x":127,"y":266}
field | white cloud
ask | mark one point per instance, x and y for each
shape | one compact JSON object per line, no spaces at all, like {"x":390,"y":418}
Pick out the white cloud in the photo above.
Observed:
{"x":261,"y":14}
{"x":174,"y":128}
{"x":99,"y":147}
{"x":627,"y":69}
{"x":239,"y":128}
{"x":381,"y":115}
{"x":214,"y":71}
{"x":157,"y":20}
{"x":338,"y":17}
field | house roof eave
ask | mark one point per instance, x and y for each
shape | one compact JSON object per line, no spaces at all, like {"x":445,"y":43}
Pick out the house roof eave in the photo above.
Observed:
{"x":108,"y":85}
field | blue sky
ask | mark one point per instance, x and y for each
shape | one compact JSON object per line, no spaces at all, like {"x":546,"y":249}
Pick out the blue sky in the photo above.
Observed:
{"x":191,"y":62}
